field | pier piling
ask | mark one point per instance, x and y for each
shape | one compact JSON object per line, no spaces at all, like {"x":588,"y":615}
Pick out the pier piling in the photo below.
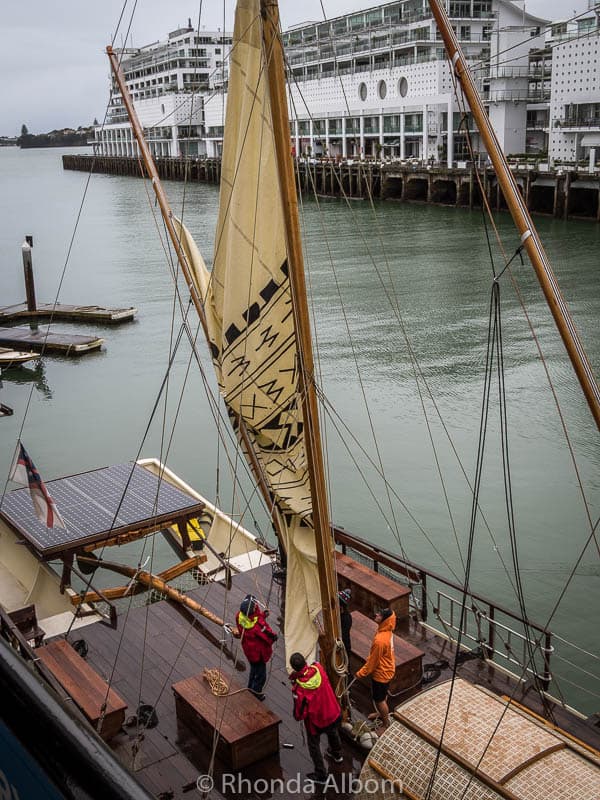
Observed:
{"x":404,"y":180}
{"x":28,"y":272}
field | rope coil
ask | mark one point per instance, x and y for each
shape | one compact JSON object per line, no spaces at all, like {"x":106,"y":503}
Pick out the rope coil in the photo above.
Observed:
{"x":218,"y":685}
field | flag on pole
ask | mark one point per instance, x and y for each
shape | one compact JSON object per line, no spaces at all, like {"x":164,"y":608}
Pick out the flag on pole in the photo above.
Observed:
{"x":23,"y":471}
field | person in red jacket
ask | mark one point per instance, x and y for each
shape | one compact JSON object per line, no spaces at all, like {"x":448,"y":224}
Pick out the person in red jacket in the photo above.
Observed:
{"x":257,"y":642}
{"x":381,"y":663}
{"x":315,"y":703}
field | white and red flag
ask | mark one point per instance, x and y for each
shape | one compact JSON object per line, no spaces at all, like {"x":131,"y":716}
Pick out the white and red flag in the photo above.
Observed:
{"x":23,"y":471}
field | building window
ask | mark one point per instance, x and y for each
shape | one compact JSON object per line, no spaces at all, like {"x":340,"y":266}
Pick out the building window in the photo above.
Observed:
{"x":382,"y":89}
{"x":462,"y":8}
{"x":362,"y":91}
{"x":465,"y":33}
{"x":402,"y":87}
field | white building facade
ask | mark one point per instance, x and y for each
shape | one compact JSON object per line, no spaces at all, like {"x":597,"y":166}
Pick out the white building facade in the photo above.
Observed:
{"x":575,"y":99}
{"x":169,"y":82}
{"x":376,"y":83}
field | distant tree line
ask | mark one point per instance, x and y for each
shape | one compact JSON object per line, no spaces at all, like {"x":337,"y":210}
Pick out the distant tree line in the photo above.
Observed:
{"x":67,"y":137}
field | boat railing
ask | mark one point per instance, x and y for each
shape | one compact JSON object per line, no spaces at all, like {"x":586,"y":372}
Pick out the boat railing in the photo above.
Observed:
{"x":503,"y":635}
{"x":499,"y":641}
{"x":17,"y":641}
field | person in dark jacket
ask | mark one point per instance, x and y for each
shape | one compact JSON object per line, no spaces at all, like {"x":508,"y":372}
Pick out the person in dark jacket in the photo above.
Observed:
{"x":257,"y":642}
{"x":345,"y":618}
{"x":315,"y":703}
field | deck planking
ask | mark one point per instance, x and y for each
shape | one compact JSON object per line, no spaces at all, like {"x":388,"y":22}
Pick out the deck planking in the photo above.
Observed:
{"x":170,"y":757}
{"x":62,"y":311}
{"x":172,"y":644}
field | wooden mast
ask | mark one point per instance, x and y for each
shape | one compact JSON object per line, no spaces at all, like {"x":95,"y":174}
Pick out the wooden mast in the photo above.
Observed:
{"x":167,"y":215}
{"x":273,"y":50}
{"x":520,"y":215}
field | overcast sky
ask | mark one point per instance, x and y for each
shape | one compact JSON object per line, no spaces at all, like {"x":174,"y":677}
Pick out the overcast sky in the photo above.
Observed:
{"x":54,"y":70}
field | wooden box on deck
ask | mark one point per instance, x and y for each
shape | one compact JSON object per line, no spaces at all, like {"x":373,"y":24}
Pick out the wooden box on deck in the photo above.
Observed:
{"x":370,"y":590}
{"x":409,"y":666}
{"x":247,"y":729}
{"x":88,"y":690}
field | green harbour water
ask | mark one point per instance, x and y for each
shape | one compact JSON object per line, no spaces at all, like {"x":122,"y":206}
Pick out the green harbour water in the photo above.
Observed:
{"x":371,"y":274}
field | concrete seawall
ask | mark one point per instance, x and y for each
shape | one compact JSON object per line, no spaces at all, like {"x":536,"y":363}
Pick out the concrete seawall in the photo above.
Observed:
{"x":560,"y":193}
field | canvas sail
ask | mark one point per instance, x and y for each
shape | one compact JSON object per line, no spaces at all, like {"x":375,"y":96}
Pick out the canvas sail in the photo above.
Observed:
{"x":250,"y":321}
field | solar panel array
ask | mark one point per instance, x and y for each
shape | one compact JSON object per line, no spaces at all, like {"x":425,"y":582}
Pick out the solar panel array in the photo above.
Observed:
{"x":95,"y":503}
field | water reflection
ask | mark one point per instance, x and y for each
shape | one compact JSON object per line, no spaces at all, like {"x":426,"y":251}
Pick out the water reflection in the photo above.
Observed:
{"x":28,"y":374}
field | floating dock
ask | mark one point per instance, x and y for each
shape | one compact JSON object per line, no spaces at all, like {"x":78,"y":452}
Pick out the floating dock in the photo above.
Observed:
{"x":46,"y":342}
{"x":109,"y":316}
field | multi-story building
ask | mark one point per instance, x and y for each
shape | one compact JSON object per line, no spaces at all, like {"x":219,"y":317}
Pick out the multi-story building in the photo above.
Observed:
{"x":377,"y":83}
{"x":169,"y":82}
{"x":574,"y":111}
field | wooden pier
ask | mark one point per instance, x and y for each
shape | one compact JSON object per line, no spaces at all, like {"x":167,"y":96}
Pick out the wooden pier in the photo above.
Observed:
{"x":45,"y":311}
{"x":203,"y":170}
{"x":46,"y":342}
{"x":561,"y":192}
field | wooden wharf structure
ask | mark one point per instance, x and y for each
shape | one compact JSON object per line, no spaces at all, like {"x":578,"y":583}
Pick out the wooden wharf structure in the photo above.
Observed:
{"x":562,"y":193}
{"x":43,"y":340}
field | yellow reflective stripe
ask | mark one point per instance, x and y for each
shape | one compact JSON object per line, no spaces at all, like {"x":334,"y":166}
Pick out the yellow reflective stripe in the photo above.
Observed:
{"x":247,"y":622}
{"x":311,"y":683}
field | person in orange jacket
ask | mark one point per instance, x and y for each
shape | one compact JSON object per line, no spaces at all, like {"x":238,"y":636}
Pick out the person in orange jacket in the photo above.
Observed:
{"x":381,"y":664}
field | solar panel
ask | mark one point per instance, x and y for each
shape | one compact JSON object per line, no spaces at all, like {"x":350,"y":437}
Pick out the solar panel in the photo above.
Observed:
{"x":97,"y":504}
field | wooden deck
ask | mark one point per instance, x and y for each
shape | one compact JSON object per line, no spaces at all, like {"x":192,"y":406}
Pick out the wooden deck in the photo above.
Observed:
{"x":41,"y":340}
{"x":156,"y":646}
{"x":61,"y":311}
{"x":170,"y":757}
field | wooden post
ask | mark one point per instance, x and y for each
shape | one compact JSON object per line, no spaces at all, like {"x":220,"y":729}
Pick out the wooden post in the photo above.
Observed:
{"x":273,"y":49}
{"x":28,"y":272}
{"x":555,"y":211}
{"x":567,"y":192}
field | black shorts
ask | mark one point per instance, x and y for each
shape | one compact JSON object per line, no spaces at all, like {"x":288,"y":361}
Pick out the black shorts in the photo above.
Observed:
{"x":379,"y":690}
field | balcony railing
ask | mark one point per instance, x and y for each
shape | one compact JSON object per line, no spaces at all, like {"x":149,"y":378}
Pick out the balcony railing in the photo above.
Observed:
{"x":573,"y":122}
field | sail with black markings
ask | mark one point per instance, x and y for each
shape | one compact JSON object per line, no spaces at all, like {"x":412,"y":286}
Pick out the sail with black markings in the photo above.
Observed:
{"x":250,"y":320}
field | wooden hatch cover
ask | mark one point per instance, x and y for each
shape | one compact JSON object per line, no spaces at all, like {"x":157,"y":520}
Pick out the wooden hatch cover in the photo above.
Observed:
{"x":490,"y":751}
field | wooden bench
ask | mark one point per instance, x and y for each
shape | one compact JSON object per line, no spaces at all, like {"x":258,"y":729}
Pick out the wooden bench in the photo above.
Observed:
{"x":25,"y":620}
{"x":409,"y":666}
{"x":370,"y":590}
{"x":83,"y":684}
{"x":247,"y":730}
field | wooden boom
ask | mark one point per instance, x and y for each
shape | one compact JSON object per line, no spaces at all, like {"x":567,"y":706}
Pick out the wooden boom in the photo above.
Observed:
{"x":154,"y":582}
{"x":529,"y":236}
